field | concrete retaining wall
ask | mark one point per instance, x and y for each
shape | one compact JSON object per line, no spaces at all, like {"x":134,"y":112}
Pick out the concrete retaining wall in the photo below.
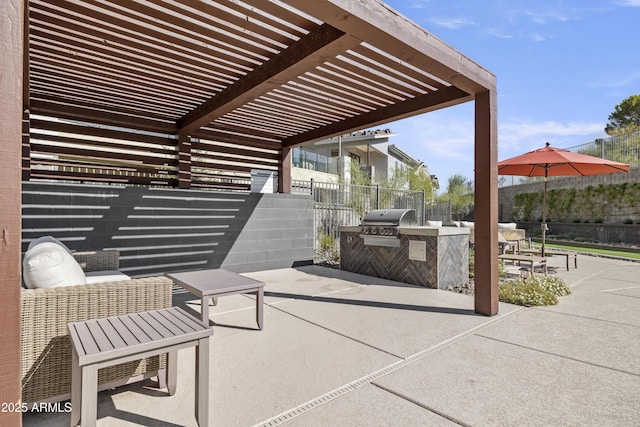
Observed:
{"x":606,"y":211}
{"x":628,"y":234}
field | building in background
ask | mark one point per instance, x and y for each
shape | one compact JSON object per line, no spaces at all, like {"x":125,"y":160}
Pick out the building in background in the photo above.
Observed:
{"x":330,"y":160}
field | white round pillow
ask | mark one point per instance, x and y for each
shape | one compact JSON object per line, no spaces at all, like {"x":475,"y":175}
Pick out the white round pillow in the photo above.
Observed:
{"x":47,"y":239}
{"x":49,"y":265}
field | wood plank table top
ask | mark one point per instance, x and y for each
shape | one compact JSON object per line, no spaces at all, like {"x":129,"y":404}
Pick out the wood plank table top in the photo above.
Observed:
{"x":99,"y":340}
{"x":214,"y":282}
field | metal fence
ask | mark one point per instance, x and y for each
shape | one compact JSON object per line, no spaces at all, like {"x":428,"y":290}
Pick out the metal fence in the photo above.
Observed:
{"x":445,"y":211}
{"x":622,"y":148}
{"x":345,"y":204}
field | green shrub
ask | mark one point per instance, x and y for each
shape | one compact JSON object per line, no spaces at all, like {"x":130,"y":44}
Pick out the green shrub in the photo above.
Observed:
{"x":327,"y":241}
{"x":628,"y":221}
{"x":533,"y":291}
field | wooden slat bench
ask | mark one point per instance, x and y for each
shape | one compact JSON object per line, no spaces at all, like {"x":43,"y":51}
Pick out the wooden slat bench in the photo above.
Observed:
{"x":567,"y":255}
{"x":100,"y":343}
{"x":531,"y":259}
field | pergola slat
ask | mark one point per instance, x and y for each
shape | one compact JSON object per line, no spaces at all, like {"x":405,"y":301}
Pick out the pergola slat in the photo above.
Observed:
{"x":80,"y":110}
{"x":106,"y":92}
{"x":138,"y":56}
{"x":220,"y":135}
{"x":170,"y":26}
{"x":50,"y":52}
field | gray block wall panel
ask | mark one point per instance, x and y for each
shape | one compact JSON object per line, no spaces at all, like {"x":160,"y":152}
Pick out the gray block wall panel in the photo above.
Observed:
{"x":163,"y":230}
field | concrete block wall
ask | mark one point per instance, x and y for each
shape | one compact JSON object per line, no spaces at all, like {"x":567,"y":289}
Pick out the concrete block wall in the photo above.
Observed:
{"x":159,"y":230}
{"x":626,"y":234}
{"x":506,"y":195}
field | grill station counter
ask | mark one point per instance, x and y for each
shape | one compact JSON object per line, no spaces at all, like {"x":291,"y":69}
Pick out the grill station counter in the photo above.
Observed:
{"x":389,"y":244}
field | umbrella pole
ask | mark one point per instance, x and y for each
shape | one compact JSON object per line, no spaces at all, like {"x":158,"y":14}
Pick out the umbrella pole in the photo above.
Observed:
{"x":544,"y":210}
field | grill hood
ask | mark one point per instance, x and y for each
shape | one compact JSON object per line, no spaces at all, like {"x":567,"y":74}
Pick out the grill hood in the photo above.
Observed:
{"x":395,"y":217}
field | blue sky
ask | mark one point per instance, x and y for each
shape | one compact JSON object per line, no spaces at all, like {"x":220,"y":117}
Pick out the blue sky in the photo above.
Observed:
{"x":561,"y":67}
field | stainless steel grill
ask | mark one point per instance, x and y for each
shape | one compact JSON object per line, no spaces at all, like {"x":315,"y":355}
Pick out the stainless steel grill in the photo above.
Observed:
{"x":381,"y":227}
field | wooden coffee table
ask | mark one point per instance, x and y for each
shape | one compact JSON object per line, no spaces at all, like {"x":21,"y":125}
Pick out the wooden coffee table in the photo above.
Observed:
{"x":207,"y":284}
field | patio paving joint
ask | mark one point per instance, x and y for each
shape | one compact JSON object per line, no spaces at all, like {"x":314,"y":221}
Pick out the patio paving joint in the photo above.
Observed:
{"x":423,"y":406}
{"x":595,"y":319}
{"x":335,"y":332}
{"x":573,"y":359}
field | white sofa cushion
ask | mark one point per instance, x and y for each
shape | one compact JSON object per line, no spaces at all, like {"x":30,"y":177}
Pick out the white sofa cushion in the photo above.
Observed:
{"x":434,"y":223}
{"x":49,"y":265}
{"x":467,"y":224}
{"x":507,"y":226}
{"x":105,"y":276}
{"x":47,"y":239}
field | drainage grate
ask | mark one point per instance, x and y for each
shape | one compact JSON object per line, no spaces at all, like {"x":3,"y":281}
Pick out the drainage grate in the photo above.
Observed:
{"x":334,"y":394}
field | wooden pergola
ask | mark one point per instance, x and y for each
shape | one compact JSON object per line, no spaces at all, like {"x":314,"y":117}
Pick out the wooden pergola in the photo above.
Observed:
{"x":194,"y":93}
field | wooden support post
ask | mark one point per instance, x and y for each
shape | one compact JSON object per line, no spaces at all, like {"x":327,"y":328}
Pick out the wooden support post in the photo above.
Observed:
{"x":284,"y":171}
{"x":486,"y":204}
{"x":184,"y":161}
{"x":11,"y":108}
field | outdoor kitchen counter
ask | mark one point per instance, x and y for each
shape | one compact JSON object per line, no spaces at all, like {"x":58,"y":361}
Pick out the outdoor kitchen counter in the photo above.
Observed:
{"x":434,"y":257}
{"x":418,"y":230}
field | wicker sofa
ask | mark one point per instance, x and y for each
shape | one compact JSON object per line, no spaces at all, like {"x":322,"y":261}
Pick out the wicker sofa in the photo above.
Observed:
{"x":45,"y":344}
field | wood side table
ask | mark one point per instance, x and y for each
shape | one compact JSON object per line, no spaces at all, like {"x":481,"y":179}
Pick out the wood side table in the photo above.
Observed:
{"x":208,"y":284}
{"x":98,"y":343}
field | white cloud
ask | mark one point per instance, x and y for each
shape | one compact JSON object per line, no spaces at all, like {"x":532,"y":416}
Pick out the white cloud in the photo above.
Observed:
{"x":417,"y":4}
{"x":632,"y":3}
{"x":547,"y":16}
{"x":537,"y":37}
{"x":444,"y":140}
{"x":452,"y":23}
{"x":498,"y":32}
{"x":617,"y":81}
{"x":519,"y":136}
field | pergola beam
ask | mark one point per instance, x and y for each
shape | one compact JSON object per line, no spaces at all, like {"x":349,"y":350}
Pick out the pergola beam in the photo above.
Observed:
{"x":372,"y":20}
{"x":321,"y":43}
{"x":418,"y":105}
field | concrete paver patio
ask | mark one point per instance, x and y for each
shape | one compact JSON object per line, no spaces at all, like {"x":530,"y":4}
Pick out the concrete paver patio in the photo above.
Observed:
{"x":345,"y":349}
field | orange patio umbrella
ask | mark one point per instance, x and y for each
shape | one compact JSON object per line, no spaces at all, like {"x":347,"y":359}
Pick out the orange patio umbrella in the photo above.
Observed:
{"x":551,"y":161}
